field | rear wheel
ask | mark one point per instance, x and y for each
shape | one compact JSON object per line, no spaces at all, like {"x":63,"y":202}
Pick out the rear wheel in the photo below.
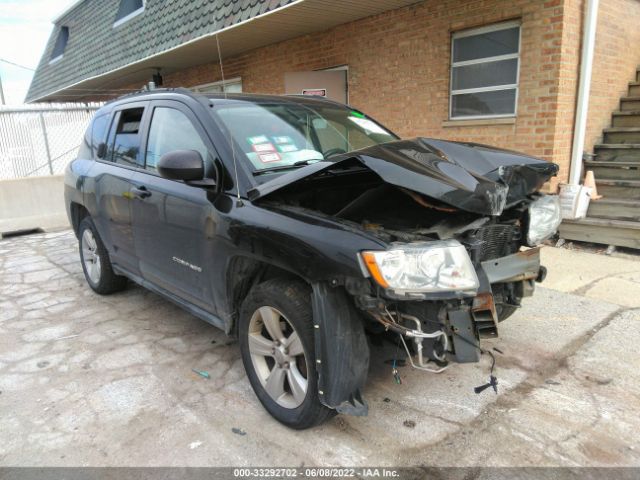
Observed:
{"x":95,"y":261}
{"x":276,"y":342}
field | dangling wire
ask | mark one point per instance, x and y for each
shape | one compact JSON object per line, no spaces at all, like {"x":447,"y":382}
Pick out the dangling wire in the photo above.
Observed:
{"x":233,"y":150}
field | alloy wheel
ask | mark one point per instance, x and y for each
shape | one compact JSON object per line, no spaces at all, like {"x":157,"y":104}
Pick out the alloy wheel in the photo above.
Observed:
{"x":90,"y":256}
{"x":278,"y":357}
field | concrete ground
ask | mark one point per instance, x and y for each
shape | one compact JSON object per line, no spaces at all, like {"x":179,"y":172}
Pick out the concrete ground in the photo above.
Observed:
{"x":107,"y":381}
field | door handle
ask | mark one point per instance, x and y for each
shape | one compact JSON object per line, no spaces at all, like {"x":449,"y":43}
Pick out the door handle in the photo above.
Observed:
{"x":141,"y":192}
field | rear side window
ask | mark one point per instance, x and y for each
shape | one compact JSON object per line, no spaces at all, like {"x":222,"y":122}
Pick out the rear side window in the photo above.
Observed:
{"x":126,"y":141}
{"x":98,"y":133}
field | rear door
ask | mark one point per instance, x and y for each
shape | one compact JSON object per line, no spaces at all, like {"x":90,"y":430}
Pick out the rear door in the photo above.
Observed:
{"x":174,"y":223}
{"x":112,"y":176}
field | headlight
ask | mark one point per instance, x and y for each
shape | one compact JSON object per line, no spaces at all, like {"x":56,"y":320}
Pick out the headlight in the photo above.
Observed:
{"x":439,"y":266}
{"x":544,"y":219}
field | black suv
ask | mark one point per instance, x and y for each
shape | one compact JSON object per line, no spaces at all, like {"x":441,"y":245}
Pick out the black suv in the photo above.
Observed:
{"x":297,"y":224}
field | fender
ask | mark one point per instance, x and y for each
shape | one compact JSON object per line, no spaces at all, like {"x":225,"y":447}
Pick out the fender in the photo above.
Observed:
{"x":342,"y":352}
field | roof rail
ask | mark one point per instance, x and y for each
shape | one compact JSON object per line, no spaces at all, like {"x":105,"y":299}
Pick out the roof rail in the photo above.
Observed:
{"x":146,"y":91}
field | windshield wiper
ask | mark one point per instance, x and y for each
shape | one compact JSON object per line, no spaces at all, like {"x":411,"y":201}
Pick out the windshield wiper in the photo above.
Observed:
{"x":275,"y":169}
{"x":299,"y":163}
{"x":302,"y":163}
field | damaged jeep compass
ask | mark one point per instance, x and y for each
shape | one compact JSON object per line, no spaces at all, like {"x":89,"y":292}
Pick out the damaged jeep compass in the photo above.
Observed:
{"x":297,"y":224}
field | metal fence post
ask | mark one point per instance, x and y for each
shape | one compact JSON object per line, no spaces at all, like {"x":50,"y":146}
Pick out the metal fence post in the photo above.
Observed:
{"x":46,"y":142}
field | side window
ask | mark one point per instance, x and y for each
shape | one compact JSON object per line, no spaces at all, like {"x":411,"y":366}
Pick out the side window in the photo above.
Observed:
{"x":171,"y":130}
{"x":126,"y":142}
{"x":98,"y":133}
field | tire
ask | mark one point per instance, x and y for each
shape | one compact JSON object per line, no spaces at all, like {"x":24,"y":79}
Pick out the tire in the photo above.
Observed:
{"x":95,"y":261}
{"x":286,"y":384}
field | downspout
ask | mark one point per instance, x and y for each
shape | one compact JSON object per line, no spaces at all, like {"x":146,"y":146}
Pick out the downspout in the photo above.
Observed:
{"x":584,"y":86}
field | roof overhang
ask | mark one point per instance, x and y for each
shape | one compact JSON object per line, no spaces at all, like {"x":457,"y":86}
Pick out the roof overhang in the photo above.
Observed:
{"x":293,"y":20}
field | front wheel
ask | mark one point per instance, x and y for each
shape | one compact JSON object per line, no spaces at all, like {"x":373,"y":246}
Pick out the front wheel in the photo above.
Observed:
{"x":96,"y":264}
{"x":277,"y":347}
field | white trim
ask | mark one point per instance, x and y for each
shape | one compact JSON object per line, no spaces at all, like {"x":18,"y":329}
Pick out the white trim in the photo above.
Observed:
{"x":497,"y":58}
{"x":495,"y":88}
{"x":129,"y":16}
{"x":482,"y":117}
{"x":149,"y":57}
{"x":56,"y":59}
{"x":486,"y":29}
{"x":479,"y":31}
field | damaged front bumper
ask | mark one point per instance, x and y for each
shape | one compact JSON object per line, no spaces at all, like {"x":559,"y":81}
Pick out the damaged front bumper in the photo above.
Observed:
{"x":443,"y":330}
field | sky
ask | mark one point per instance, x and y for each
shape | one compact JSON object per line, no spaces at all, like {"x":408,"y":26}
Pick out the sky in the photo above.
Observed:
{"x":25,"y":26}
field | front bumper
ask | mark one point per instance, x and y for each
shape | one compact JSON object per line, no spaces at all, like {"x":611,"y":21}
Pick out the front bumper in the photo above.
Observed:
{"x":524,"y":265}
{"x":464,"y":321}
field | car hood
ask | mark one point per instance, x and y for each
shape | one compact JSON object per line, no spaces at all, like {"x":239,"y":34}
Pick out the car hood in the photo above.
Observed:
{"x":471,"y":177}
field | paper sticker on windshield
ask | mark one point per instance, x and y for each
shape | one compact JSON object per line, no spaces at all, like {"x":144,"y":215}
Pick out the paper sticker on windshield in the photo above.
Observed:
{"x":287,"y":148}
{"x":283,"y":139}
{"x":258,"y":139}
{"x":263,"y":147}
{"x":368,"y":125}
{"x":269,"y":157}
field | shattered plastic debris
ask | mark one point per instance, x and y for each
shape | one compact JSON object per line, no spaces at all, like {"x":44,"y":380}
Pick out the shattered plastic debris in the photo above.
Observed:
{"x":194,"y":445}
{"x":202,"y":373}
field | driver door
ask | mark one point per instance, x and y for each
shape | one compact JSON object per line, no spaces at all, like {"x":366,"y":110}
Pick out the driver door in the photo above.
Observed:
{"x":173,"y":223}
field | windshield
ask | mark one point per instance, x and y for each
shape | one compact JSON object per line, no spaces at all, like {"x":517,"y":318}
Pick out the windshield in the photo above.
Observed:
{"x":280,"y":136}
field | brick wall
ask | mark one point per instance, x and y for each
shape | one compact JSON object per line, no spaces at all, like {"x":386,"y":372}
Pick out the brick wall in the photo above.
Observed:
{"x":617,"y":55}
{"x":399,"y":70}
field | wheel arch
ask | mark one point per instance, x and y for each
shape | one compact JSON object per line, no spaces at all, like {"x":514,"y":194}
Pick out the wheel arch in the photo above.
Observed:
{"x":242,"y":274}
{"x":77,"y":213}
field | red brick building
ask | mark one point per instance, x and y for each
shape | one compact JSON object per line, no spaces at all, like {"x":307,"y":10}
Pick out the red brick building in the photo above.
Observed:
{"x":488,"y":71}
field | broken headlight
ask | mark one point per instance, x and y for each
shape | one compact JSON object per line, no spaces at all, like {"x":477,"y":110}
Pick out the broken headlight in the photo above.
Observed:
{"x":439,"y":266}
{"x":544,"y":219}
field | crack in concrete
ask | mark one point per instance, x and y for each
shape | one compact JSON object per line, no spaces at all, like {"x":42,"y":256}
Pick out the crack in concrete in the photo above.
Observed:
{"x":536,"y":379}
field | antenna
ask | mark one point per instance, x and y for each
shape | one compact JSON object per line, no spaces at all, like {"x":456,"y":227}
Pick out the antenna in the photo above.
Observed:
{"x":233,"y":149}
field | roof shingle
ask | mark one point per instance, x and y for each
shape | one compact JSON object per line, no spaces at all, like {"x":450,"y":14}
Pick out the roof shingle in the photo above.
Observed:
{"x":95,"y":47}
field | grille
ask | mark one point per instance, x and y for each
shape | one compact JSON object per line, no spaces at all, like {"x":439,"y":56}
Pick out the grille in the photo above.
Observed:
{"x":497,"y":240}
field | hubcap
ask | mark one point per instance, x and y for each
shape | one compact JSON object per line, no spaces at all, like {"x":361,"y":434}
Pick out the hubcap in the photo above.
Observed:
{"x":278,"y":357}
{"x":90,"y":256}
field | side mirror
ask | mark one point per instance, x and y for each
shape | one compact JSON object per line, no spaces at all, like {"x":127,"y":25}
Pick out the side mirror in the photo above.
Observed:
{"x":102,"y":150}
{"x":186,"y":165}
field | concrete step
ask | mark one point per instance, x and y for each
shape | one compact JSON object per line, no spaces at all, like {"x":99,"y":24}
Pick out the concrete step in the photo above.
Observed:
{"x":623,"y":189}
{"x":614,"y":170}
{"x":600,"y":230}
{"x":624,"y":152}
{"x":615,"y":209}
{"x":621,"y":135}
{"x":634,"y":89}
{"x":630,"y":118}
{"x":629,"y":103}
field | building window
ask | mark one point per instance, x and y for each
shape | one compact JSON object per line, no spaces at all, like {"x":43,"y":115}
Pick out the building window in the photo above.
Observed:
{"x":485,"y":65}
{"x":127,"y":10}
{"x":61,"y":44}
{"x":233,"y":85}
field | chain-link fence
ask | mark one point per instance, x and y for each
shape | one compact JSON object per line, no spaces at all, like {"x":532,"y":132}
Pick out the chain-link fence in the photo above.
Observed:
{"x":40,"y":139}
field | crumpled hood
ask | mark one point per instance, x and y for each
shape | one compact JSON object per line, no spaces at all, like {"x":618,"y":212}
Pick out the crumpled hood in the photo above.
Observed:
{"x":471,"y":177}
